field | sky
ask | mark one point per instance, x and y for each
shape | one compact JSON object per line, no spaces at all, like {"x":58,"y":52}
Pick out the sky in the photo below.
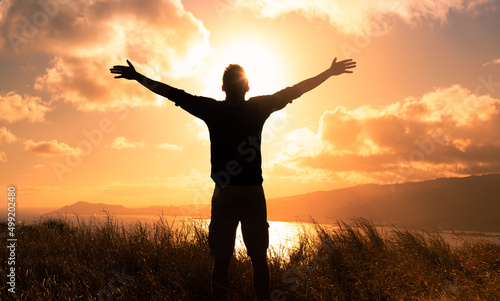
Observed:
{"x":422,"y":103}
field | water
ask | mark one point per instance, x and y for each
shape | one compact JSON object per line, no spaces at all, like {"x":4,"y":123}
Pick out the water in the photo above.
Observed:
{"x":283,"y":236}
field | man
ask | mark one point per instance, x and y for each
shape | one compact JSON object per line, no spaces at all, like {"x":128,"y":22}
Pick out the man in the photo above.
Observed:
{"x":235,"y":127}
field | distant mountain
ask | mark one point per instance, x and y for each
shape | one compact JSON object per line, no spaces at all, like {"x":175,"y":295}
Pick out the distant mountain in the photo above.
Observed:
{"x":85,"y":208}
{"x":471,"y":203}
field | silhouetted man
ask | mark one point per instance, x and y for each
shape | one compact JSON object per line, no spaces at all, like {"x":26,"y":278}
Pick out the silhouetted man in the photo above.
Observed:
{"x":235,"y":127}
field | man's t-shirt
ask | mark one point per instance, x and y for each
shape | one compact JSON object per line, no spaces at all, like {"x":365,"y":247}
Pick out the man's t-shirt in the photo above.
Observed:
{"x":235,"y":132}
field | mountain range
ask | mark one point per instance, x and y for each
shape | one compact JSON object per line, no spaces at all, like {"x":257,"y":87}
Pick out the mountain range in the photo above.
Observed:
{"x":470,"y":203}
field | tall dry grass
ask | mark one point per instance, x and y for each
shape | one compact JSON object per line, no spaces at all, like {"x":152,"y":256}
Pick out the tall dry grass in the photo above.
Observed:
{"x":105,"y":260}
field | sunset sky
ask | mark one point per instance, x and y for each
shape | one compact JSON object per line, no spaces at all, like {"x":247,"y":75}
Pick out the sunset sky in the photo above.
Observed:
{"x":422,"y":103}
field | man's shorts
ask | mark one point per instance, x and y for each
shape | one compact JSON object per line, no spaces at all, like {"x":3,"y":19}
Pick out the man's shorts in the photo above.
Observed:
{"x":234,"y":204}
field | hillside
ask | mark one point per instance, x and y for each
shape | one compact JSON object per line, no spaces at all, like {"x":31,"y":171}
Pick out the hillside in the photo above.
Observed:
{"x":85,"y":208}
{"x":471,"y":203}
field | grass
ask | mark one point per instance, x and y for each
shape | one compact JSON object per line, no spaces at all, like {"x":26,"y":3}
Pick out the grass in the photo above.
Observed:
{"x":104,"y":260}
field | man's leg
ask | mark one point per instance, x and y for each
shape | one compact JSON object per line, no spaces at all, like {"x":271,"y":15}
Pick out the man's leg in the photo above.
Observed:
{"x":260,"y":277}
{"x":220,"y":285}
{"x":255,"y":230}
{"x":221,"y":236}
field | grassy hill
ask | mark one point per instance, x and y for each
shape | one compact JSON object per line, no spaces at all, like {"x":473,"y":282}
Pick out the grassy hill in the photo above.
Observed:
{"x":102,"y":260}
{"x":471,"y":203}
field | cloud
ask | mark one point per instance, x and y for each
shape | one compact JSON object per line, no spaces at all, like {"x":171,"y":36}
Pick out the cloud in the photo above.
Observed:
{"x":201,"y":131}
{"x":492,"y":62}
{"x":49,"y":148}
{"x":123,"y":143}
{"x":6,"y":136}
{"x":342,"y":126}
{"x":169,"y":146}
{"x":361,"y":17}
{"x":85,"y":38}
{"x":3,"y":157}
{"x":446,"y":132}
{"x":14,"y":107}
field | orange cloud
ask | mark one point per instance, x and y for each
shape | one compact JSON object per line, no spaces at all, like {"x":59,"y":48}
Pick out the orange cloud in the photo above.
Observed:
{"x":446,"y":132}
{"x":14,"y":107}
{"x":340,"y":126}
{"x":86,"y":38}
{"x":123,"y":143}
{"x":361,"y":17}
{"x":49,"y":148}
{"x":6,"y":136}
{"x":169,"y":146}
{"x":3,"y":157}
{"x":492,"y":62}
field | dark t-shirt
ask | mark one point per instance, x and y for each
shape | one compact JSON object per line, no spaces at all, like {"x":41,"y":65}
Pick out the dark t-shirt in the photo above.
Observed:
{"x":235,"y":132}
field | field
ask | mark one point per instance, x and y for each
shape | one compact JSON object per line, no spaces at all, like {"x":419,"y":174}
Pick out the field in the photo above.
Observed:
{"x":104,"y":260}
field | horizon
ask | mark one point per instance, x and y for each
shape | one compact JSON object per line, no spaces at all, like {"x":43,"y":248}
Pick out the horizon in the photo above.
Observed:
{"x":423,"y":102}
{"x":278,"y":197}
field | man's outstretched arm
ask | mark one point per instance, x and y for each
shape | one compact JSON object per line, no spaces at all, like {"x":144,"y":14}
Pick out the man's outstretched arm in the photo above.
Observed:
{"x":336,"y":68}
{"x":129,"y":72}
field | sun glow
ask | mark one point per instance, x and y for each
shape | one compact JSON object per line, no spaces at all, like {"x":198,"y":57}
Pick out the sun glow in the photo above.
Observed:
{"x":263,"y":66}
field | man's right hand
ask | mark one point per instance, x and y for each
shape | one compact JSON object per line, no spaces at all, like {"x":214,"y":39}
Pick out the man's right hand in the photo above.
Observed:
{"x":127,"y":72}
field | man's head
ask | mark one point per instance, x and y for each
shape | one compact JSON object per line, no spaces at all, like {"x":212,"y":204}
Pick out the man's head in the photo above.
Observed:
{"x":235,"y":82}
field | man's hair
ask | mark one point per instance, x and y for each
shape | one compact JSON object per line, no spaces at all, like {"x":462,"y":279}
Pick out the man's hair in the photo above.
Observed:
{"x":234,"y":79}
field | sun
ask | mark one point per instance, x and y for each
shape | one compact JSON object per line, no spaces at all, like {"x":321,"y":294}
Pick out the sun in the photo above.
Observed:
{"x":261,"y":61}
